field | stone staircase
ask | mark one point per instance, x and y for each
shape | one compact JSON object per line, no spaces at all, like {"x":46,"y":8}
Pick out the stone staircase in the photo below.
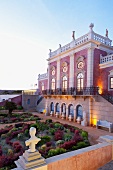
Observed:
{"x":41,"y":106}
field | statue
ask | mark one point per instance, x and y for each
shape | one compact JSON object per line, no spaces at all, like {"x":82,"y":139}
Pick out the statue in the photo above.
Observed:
{"x":106,"y":32}
{"x":33,"y":140}
{"x":73,"y":35}
{"x":59,"y":45}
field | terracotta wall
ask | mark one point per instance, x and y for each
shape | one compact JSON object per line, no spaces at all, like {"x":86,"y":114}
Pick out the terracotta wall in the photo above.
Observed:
{"x":90,"y":158}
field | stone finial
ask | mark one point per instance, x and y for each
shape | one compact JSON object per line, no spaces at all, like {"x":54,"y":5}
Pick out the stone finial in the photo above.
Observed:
{"x":91,"y":26}
{"x":33,"y":140}
{"x":73,"y":35}
{"x":106,"y":33}
{"x":50,"y":50}
{"x":59,"y":45}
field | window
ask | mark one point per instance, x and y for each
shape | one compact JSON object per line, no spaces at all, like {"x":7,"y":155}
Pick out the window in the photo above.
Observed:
{"x":28,"y":101}
{"x":53,"y":84}
{"x":80,"y":81}
{"x":64,"y":84}
{"x":42,"y":86}
{"x":111,"y":82}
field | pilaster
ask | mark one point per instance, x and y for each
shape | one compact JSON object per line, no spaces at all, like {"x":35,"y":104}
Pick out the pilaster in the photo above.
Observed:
{"x":71,"y":74}
{"x":58,"y":74}
{"x":48,"y":76}
{"x":90,"y":58}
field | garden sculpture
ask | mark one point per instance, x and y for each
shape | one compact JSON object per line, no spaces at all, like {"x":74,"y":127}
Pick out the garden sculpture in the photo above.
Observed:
{"x":33,"y":140}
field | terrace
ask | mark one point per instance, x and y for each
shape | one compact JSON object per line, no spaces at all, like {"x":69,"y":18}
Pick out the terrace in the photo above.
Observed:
{"x":90,"y":36}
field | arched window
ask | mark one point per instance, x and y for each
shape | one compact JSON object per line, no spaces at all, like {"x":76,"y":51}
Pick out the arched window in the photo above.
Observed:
{"x":79,"y":111}
{"x":52,"y":106}
{"x":42,"y":86}
{"x":64,"y":83}
{"x":71,"y":110}
{"x":57,"y":107}
{"x":53,"y":84}
{"x":80,"y":81}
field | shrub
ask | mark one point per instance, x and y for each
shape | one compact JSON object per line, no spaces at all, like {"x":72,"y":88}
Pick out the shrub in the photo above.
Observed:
{"x":68,"y":145}
{"x":34,"y":125}
{"x":19,"y":125}
{"x":26,"y":132}
{"x":3,"y":136}
{"x":17,"y":146}
{"x":67,"y":137}
{"x":10,"y":152}
{"x":59,"y":142}
{"x":48,"y":144}
{"x":20,"y":136}
{"x":49,"y":121}
{"x":84,"y":134}
{"x":52,"y":131}
{"x":58,"y":126}
{"x":57,"y":151}
{"x":19,"y":107}
{"x":58,"y":135}
{"x":44,"y":139}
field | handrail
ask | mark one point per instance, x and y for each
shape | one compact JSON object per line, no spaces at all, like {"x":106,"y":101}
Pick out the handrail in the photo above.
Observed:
{"x":72,"y":91}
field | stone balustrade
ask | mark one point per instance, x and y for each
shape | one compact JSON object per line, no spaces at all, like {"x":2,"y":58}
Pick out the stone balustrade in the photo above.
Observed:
{"x":105,"y":59}
{"x":83,"y":39}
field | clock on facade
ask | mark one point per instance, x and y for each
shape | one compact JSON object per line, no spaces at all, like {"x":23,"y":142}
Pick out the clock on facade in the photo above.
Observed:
{"x":53,"y":72}
{"x":80,"y":64}
{"x":65,"y":69}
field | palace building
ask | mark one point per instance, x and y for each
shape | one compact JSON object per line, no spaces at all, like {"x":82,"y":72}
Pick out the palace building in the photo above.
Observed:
{"x":79,"y":80}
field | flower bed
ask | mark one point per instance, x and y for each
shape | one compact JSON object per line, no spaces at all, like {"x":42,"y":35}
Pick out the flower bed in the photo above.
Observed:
{"x":56,"y":138}
{"x":17,"y":117}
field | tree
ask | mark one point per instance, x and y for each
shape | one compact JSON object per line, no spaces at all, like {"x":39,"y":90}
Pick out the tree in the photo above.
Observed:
{"x":10,"y":106}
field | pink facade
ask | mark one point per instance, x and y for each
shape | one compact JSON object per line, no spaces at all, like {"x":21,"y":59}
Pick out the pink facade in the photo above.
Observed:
{"x":76,"y":70}
{"x":88,"y":51}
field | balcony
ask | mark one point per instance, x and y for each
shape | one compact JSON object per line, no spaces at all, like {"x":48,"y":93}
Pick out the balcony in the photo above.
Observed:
{"x":86,"y":91}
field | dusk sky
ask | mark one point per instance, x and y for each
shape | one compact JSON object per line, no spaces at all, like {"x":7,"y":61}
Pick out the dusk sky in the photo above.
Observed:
{"x":29,"y":28}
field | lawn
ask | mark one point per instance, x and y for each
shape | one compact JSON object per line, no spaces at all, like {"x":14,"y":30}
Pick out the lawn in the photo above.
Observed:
{"x":56,"y":138}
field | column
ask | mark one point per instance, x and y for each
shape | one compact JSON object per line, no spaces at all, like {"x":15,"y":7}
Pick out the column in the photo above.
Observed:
{"x":48,"y":76}
{"x":58,"y":74}
{"x":75,"y":115}
{"x":90,"y":59}
{"x":71,"y":74}
{"x":67,"y":113}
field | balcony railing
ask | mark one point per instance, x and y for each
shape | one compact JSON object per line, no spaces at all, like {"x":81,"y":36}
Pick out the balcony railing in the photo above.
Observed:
{"x":81,"y":40}
{"x":72,"y":91}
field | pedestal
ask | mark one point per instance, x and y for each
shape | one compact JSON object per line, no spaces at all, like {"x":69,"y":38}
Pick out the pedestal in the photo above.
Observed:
{"x":30,"y":160}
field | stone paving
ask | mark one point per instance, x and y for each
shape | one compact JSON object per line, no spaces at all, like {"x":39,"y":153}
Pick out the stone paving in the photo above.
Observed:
{"x":94,"y":133}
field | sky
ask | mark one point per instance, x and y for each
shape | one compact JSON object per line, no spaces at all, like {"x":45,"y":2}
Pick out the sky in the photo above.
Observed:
{"x":29,"y":28}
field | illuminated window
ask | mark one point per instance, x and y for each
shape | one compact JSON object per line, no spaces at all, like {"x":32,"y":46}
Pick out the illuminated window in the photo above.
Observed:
{"x":42,"y":86}
{"x":111,"y":82}
{"x":80,"y":81}
{"x":53,"y":84}
{"x":64,"y":84}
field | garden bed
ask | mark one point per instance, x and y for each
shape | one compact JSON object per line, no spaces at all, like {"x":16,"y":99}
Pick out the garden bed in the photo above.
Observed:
{"x":17,"y":117}
{"x":56,"y":138}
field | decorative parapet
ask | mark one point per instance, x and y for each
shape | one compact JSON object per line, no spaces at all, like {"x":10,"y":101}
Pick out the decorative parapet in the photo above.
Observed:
{"x":42,"y":76}
{"x":105,"y":59}
{"x":91,"y":35}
